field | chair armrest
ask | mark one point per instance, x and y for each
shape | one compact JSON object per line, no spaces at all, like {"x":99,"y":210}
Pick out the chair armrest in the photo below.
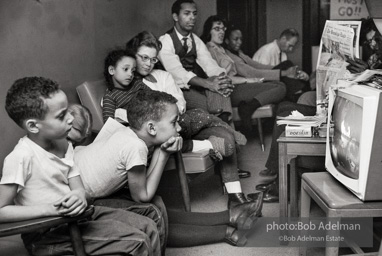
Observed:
{"x":26,"y":226}
{"x":183,"y":180}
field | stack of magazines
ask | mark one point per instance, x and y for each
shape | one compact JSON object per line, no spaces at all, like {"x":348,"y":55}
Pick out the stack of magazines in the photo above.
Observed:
{"x":298,"y":125}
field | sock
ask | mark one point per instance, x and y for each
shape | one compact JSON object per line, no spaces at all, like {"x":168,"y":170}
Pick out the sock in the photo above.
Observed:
{"x":233,"y":187}
{"x":201,"y":144}
{"x":180,"y":235}
{"x":239,"y":138}
{"x":198,"y":218}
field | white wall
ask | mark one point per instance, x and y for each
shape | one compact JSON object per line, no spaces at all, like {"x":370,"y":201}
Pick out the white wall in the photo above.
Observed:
{"x":282,"y":14}
{"x":67,"y":40}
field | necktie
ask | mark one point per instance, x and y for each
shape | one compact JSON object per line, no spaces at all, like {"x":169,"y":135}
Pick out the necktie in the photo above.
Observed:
{"x":280,"y":57}
{"x":185,"y":46}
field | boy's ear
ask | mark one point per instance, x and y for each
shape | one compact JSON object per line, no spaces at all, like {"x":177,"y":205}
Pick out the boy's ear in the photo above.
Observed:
{"x":111,"y":70}
{"x":226,"y":41}
{"x":175,"y":17}
{"x":31,"y":125}
{"x":151,"y":128}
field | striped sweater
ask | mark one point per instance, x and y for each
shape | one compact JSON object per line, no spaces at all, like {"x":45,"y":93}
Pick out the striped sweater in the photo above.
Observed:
{"x":119,"y":98}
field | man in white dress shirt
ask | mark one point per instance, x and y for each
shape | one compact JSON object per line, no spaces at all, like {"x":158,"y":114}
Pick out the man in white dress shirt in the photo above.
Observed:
{"x":276,"y":52}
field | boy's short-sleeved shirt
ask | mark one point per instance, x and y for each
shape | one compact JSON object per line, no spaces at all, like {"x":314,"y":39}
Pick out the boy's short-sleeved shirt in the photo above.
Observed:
{"x":104,"y":163}
{"x":41,"y":176}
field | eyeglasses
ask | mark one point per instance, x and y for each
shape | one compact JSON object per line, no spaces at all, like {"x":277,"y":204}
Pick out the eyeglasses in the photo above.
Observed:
{"x":146,"y":58}
{"x":218,"y":29}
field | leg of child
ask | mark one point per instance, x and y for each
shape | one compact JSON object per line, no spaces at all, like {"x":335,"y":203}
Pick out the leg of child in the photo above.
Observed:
{"x":181,"y":235}
{"x":108,"y":232}
{"x":156,"y":210}
{"x":194,"y":120}
{"x":130,"y":233}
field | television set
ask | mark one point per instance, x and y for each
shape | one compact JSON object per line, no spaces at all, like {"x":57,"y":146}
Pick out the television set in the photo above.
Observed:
{"x":354,"y":146}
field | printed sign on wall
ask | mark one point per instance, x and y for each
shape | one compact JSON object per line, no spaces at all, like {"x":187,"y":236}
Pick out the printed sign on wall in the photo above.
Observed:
{"x":348,"y":9}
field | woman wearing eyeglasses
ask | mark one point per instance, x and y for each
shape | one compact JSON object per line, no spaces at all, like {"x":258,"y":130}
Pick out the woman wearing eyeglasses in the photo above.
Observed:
{"x":185,"y":228}
{"x":146,"y":47}
{"x":250,"y":91}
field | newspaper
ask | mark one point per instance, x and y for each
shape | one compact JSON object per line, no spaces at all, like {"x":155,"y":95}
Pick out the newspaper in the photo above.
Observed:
{"x":372,"y":78}
{"x":339,"y":42}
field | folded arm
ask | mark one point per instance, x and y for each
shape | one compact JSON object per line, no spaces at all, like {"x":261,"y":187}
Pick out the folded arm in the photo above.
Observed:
{"x":143,"y":183}
{"x":10,"y":212}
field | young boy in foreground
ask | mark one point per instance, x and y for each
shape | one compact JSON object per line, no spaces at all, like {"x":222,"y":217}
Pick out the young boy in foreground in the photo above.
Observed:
{"x":40,"y":179}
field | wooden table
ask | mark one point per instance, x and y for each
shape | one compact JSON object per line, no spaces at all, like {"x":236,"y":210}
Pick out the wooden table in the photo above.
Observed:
{"x":289,"y":149}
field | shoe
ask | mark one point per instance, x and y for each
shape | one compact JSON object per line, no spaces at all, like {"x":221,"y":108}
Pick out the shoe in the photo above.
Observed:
{"x":236,"y":198}
{"x":244,"y":216}
{"x":272,"y":194}
{"x":243,"y":174}
{"x":233,"y":237}
{"x":258,"y":198}
{"x":268,"y":173}
{"x":264,"y":187}
{"x":215,"y":155}
{"x":255,"y":196}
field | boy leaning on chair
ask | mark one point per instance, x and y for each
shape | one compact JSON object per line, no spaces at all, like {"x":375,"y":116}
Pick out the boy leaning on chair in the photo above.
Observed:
{"x":40,"y":179}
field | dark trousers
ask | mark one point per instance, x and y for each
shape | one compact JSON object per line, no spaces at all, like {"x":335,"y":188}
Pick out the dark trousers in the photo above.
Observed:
{"x":294,"y":87}
{"x":107,"y":232}
{"x":155,"y":210}
{"x":284,"y":109}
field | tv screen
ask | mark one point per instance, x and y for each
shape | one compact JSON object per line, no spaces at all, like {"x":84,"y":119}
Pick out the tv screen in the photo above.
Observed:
{"x":345,"y":141}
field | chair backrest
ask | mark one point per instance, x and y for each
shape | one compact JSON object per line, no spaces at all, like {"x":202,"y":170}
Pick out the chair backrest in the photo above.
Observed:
{"x":90,"y":94}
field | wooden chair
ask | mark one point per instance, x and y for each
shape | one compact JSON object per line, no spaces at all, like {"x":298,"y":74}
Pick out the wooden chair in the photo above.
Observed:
{"x":336,"y":201}
{"x":90,"y":95}
{"x":27,"y":226}
{"x":265,"y":111}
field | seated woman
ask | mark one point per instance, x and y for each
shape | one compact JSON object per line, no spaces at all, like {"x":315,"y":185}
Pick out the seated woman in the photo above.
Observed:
{"x":115,"y":172}
{"x":146,"y":47}
{"x":119,"y":71}
{"x":294,"y":78}
{"x":250,"y":92}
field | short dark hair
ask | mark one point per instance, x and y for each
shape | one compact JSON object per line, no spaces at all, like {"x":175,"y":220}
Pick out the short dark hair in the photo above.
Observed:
{"x":230,"y":29}
{"x":112,"y":58}
{"x":289,"y":32}
{"x":144,"y":38}
{"x":177,"y":5}
{"x":206,"y":35}
{"x":367,"y":26}
{"x":25,"y":98}
{"x":147,"y":105}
